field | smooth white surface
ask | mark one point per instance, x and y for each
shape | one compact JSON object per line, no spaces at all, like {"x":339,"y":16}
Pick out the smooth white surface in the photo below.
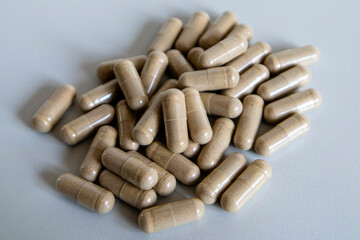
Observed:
{"x":314,"y":192}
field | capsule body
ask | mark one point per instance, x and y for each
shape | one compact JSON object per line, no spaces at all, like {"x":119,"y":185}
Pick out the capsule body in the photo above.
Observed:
{"x":53,"y":108}
{"x":194,"y":55}
{"x":192,"y":151}
{"x":126,"y":121}
{"x":243,"y":30}
{"x":220,"y":105}
{"x":171,"y":83}
{"x":178,"y":63}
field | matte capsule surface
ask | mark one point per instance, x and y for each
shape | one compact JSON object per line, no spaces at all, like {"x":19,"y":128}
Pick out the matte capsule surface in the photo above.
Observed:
{"x":126,"y":121}
{"x":242,"y":29}
{"x":194,"y":55}
{"x":220,"y":105}
{"x":170,"y":215}
{"x":246,"y":185}
{"x":193,"y":150}
{"x":85,"y":193}
{"x":171,"y":83}
{"x":178,"y":63}
{"x":53,"y":108}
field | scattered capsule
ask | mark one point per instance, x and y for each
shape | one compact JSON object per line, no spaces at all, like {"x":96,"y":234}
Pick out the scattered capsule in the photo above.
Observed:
{"x":220,"y":105}
{"x":171,"y":83}
{"x":126,"y":121}
{"x":192,"y":151}
{"x":242,"y":29}
{"x":178,"y":63}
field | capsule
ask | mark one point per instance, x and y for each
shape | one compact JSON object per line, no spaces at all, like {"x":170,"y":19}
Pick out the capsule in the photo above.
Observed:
{"x":131,"y":169}
{"x":193,"y":150}
{"x":85,"y":193}
{"x":210,"y":79}
{"x":246,"y":185}
{"x":91,"y":165}
{"x":214,"y":184}
{"x":127,"y":192}
{"x":153,"y":70}
{"x":192,"y":31}
{"x":53,"y":108}
{"x":242,"y":29}
{"x":249,"y":122}
{"x":183,"y":169}
{"x":167,"y":35}
{"x":256,"y":53}
{"x":284,"y":83}
{"x":223,"y":52}
{"x":174,"y":114}
{"x":218,"y":29}
{"x":211,"y":153}
{"x":105,"y":71}
{"x":105,"y":93}
{"x":171,"y":83}
{"x":85,"y":125}
{"x":170,"y":215}
{"x":193,"y":57}
{"x":166,"y":181}
{"x":299,"y":102}
{"x":283,"y":60}
{"x":126,"y":121}
{"x":220,"y":105}
{"x":282,"y":134}
{"x":178,"y":63}
{"x":130,"y":84}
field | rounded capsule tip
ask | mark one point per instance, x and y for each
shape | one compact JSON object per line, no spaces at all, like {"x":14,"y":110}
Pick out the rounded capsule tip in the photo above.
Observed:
{"x":148,"y":179}
{"x":105,"y":203}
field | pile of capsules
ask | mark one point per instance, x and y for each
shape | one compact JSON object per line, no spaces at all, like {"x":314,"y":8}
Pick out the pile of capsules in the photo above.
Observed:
{"x":219,"y":70}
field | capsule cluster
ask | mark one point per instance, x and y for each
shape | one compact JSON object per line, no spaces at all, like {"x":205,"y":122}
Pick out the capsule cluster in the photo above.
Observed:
{"x":215,"y":72}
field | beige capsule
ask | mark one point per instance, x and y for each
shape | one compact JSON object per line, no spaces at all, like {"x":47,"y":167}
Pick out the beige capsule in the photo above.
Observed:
{"x":170,"y":215}
{"x":126,"y":191}
{"x":85,"y":193}
{"x":167,"y":35}
{"x":130,"y":84}
{"x":249,"y":122}
{"x":153,"y":70}
{"x":282,"y":134}
{"x":53,"y":108}
{"x":220,"y":105}
{"x":193,"y":150}
{"x":283,"y":60}
{"x":126,"y":121}
{"x":91,"y":165}
{"x":214,"y":184}
{"x":299,"y":102}
{"x":284,"y":83}
{"x":246,"y":185}
{"x":211,"y":153}
{"x":183,"y":169}
{"x":171,"y":83}
{"x":256,"y":53}
{"x":242,"y":29}
{"x":193,"y":57}
{"x":130,"y":168}
{"x":178,"y":63}
{"x":210,"y":79}
{"x":218,"y":29}
{"x":85,"y":125}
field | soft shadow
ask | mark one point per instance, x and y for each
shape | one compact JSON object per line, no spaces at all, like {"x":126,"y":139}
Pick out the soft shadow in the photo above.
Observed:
{"x":49,"y":174}
{"x":281,"y":45}
{"x":128,"y":214}
{"x":74,"y":156}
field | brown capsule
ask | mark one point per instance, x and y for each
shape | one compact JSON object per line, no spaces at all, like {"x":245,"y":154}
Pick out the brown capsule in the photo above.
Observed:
{"x":192,"y":31}
{"x":85,"y":193}
{"x":53,"y":108}
{"x":153,"y":70}
{"x":246,"y":185}
{"x":282,"y":134}
{"x":299,"y":102}
{"x":214,"y":184}
{"x":256,"y":53}
{"x":178,"y":63}
{"x":130,"y":84}
{"x":167,"y":35}
{"x":242,"y":29}
{"x":85,"y":125}
{"x":283,"y":60}
{"x":218,"y":29}
{"x":126,"y":121}
{"x":170,"y":215}
{"x":220,"y":105}
{"x":131,"y":169}
{"x":171,"y":83}
{"x":210,"y":79}
{"x":211,"y":153}
{"x":284,"y":83}
{"x":127,"y":192}
{"x":91,"y":165}
{"x":249,"y":122}
{"x":183,"y":169}
{"x":193,"y":57}
{"x":193,"y":150}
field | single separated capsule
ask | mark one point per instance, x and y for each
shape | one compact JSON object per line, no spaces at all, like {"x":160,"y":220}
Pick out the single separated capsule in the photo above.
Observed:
{"x":194,"y":55}
{"x":171,"y":83}
{"x":283,"y":60}
{"x":211,"y":153}
{"x":282,"y":134}
{"x":126,"y":121}
{"x":129,"y":168}
{"x":85,"y":125}
{"x":85,"y":193}
{"x":214,"y":184}
{"x":242,"y":29}
{"x":53,"y":108}
{"x":193,"y":150}
{"x":299,"y":102}
{"x":246,"y":185}
{"x":170,"y":215}
{"x":91,"y":165}
{"x":220,"y":105}
{"x":178,"y":63}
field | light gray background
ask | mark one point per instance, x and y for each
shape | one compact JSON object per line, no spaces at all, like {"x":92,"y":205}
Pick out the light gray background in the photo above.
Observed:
{"x":314,"y":192}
